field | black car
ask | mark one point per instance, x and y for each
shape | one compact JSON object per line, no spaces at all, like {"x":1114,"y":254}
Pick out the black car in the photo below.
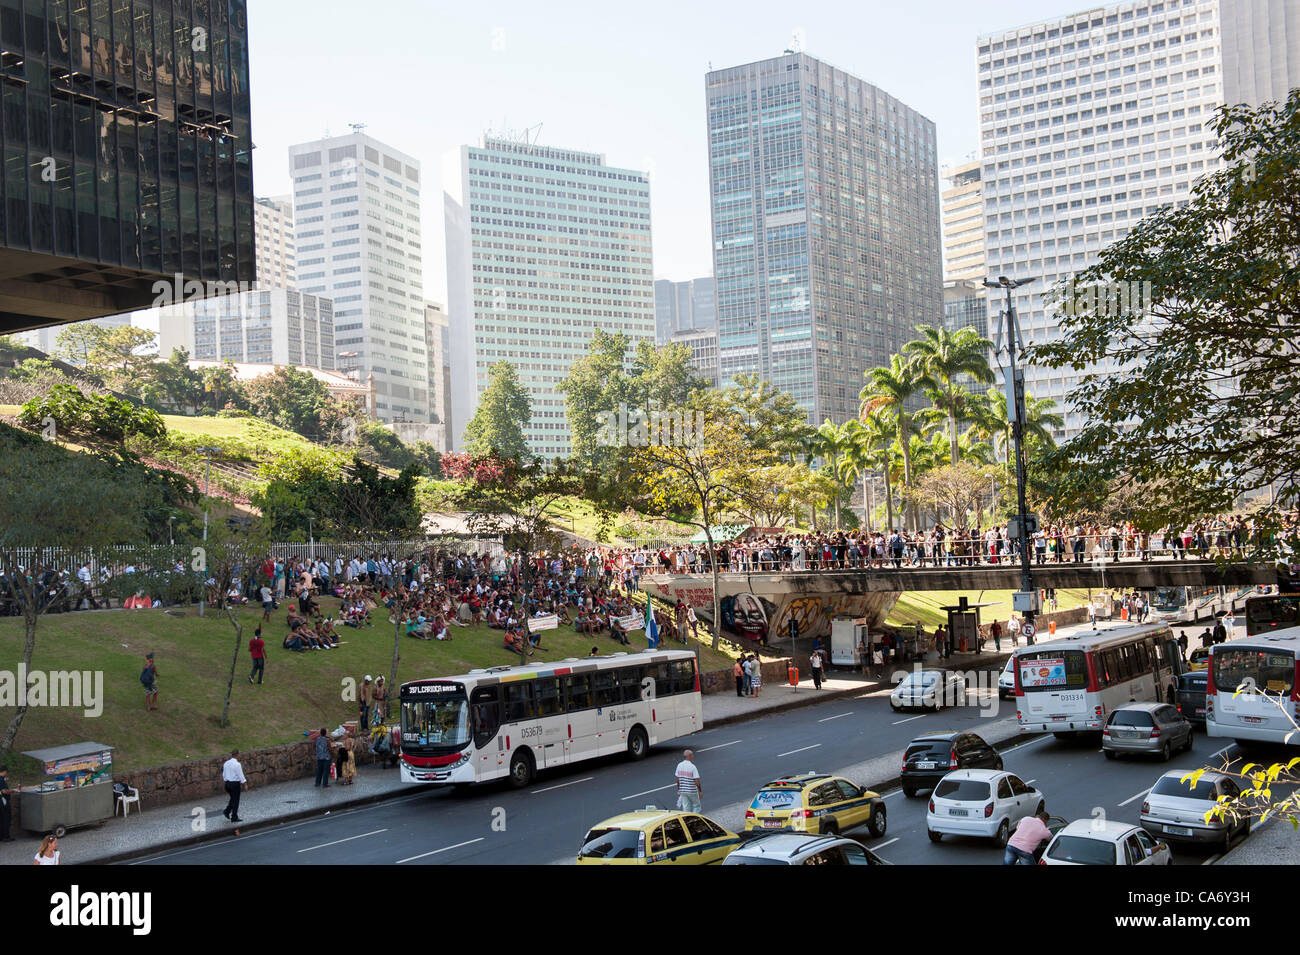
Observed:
{"x":928,"y":759}
{"x":1191,"y":696}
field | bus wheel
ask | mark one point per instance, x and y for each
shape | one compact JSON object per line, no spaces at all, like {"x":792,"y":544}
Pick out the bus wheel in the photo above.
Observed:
{"x":637,"y":743}
{"x":521,"y":769}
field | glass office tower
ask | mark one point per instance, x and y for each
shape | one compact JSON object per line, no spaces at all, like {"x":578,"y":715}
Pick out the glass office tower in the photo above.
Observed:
{"x":127,"y":144}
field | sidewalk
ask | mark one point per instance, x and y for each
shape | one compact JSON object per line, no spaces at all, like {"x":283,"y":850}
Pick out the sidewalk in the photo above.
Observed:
{"x":199,"y":821}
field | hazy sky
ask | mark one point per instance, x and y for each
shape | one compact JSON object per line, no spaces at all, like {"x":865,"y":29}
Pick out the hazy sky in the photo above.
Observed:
{"x":625,"y":80}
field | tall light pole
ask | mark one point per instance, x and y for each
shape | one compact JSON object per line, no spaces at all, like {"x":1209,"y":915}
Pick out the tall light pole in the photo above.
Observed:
{"x":207,"y":451}
{"x":1016,"y":400}
{"x":311,"y":541}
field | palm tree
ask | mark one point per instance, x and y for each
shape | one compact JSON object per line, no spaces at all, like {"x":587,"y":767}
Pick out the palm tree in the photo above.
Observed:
{"x":866,"y":444}
{"x":941,"y":358}
{"x":992,"y":425}
{"x":890,"y":388}
{"x":829,"y":443}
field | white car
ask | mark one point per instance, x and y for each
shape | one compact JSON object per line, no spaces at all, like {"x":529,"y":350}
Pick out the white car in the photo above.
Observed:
{"x":929,"y":689}
{"x":1007,"y":680}
{"x":980,"y":802}
{"x":800,"y":849}
{"x":1105,"y":842}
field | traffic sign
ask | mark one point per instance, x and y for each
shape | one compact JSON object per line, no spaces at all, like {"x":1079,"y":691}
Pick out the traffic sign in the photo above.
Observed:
{"x":1028,"y":629}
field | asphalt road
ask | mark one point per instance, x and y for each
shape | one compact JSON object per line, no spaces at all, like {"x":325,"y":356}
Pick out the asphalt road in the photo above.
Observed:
{"x":494,"y":824}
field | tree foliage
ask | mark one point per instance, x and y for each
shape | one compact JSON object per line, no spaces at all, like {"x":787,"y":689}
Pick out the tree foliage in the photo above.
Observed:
{"x":504,"y":410}
{"x":99,"y":417}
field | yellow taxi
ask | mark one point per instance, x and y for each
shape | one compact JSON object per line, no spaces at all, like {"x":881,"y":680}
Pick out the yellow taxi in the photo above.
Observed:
{"x":815,"y":803}
{"x":656,"y":836}
{"x":1199,"y":659}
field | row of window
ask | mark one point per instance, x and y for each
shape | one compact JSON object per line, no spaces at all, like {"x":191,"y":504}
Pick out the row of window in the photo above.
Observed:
{"x":574,"y":692}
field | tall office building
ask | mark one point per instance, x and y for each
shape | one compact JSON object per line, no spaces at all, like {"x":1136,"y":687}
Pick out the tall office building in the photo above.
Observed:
{"x":703,"y":343}
{"x":276,"y":262}
{"x":435,"y":345}
{"x":356,"y":209}
{"x":965,"y":306}
{"x":683,"y":306}
{"x":963,"y":224}
{"x":825,"y":204}
{"x":127,"y":155}
{"x":267,"y":326}
{"x":1091,"y":121}
{"x":544,"y":246}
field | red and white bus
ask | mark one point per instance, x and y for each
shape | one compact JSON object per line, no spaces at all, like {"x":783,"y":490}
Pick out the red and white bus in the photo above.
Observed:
{"x":1069,"y":686}
{"x":1266,"y":670}
{"x":514,"y":720}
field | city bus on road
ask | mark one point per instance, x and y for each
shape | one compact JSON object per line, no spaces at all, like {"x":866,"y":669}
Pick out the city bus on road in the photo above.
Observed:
{"x":1070,"y":686}
{"x":1268,"y":665}
{"x":515,"y":720}
{"x":1279,"y":610}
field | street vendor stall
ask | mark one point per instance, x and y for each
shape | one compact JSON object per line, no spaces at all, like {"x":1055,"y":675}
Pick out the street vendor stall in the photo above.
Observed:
{"x":77,"y":790}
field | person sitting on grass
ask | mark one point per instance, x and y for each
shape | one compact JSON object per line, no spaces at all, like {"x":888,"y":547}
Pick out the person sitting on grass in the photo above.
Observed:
{"x":414,"y":628}
{"x":294,"y":641}
{"x":438,"y":628}
{"x":616,"y":631}
{"x":514,"y":642}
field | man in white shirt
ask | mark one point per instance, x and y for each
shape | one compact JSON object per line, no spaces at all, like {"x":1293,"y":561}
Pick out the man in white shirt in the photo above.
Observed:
{"x":232,"y":774}
{"x":690,"y":789}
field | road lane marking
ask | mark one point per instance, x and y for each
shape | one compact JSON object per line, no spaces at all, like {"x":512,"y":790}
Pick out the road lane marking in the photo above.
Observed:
{"x":324,"y":845}
{"x":883,"y":844}
{"x":829,"y":718}
{"x":585,"y":779}
{"x":649,"y":791}
{"x":803,"y":749}
{"x":443,"y":849}
{"x":719,"y":746}
{"x":1032,"y":742}
{"x":1138,"y":796}
{"x":909,"y":719}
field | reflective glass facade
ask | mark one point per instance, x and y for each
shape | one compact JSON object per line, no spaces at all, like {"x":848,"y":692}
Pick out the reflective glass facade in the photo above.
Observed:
{"x":127,"y":152}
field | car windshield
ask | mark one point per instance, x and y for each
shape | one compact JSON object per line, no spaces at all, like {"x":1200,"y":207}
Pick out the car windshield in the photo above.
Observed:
{"x":1130,"y":718}
{"x":610,"y":844}
{"x":1082,"y":850}
{"x":737,"y":859}
{"x":1174,"y":786}
{"x":923,"y":679}
{"x":962,"y":790}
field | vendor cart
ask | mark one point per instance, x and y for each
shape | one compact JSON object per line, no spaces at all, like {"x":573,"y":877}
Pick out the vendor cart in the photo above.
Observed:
{"x":77,"y":790}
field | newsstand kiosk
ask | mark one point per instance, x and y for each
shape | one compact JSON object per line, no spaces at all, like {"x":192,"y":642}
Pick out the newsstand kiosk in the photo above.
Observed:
{"x":77,"y":791}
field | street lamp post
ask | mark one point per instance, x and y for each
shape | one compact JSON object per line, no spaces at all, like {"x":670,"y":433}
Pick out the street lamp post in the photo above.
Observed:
{"x":311,"y":541}
{"x":1017,"y":401}
{"x":207,"y":451}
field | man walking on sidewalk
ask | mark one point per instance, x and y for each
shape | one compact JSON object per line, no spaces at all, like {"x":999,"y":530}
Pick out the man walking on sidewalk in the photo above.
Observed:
{"x":690,"y":789}
{"x":233,"y":775}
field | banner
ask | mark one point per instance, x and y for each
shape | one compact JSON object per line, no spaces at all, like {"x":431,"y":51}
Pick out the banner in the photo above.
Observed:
{"x":548,"y":622}
{"x":632,"y":621}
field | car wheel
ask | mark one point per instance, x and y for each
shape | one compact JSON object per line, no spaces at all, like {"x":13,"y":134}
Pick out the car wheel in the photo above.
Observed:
{"x":998,"y":764}
{"x":637,"y":743}
{"x":934,"y":836}
{"x":1004,"y":833}
{"x":1109,"y":753}
{"x":521,"y":769}
{"x":1187,"y":747}
{"x":1165,"y":752}
{"x":909,"y":792}
{"x":830,"y":829}
{"x":878,"y":823}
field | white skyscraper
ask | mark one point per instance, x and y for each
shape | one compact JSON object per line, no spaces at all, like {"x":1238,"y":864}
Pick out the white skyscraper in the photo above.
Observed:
{"x":273,"y":228}
{"x":544,"y":246}
{"x":1091,"y":121}
{"x":356,"y":206}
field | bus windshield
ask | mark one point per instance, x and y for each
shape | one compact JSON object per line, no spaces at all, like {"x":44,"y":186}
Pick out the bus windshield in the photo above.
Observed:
{"x":1273,"y":671}
{"x":1047,"y":670}
{"x":1169,"y":598}
{"x":436,"y":721}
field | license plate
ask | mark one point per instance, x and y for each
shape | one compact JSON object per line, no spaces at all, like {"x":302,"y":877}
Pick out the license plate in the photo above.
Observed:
{"x":959,"y":812}
{"x":1178,"y":830}
{"x":1062,"y":718}
{"x":1253,"y":719}
{"x":771,"y":823}
{"x":925,"y":765}
{"x":1200,"y":711}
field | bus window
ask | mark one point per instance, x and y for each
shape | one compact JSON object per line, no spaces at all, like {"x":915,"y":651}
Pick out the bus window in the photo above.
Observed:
{"x":684,"y":676}
{"x":1273,"y":673}
{"x":519,"y":702}
{"x":578,"y":691}
{"x":550,"y":702}
{"x":629,"y":684}
{"x":662,"y":675}
{"x":487,"y":718}
{"x":603,"y":690}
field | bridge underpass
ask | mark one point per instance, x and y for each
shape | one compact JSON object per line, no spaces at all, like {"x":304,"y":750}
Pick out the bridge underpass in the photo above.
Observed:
{"x":815,"y":598}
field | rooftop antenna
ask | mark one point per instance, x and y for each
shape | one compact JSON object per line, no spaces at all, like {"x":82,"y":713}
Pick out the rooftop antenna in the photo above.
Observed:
{"x":357,"y":127}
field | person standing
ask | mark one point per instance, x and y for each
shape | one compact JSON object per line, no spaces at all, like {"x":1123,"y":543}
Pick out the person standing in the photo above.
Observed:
{"x":363,"y":704}
{"x":257,"y":650}
{"x":996,"y":630}
{"x":323,"y":760}
{"x":815,"y":664}
{"x":690,"y":788}
{"x":1013,"y":630}
{"x":755,"y":676}
{"x":1031,"y":832}
{"x":48,"y":854}
{"x":738,"y":671}
{"x":877,"y":662}
{"x":746,"y":670}
{"x":149,"y":677}
{"x":379,"y":696}
{"x":1230,"y":624}
{"x":1220,"y":631}
{"x":693,"y":621}
{"x":233,"y":775}
{"x":6,"y":804}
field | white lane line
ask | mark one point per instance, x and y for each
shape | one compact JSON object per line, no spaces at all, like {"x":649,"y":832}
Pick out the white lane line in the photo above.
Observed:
{"x":1138,"y":796}
{"x":719,"y":746}
{"x":803,"y":749}
{"x":336,"y":842}
{"x":909,"y":719}
{"x":1213,"y":859}
{"x":829,"y":718}
{"x":574,"y":782}
{"x":1032,"y":742}
{"x":649,"y":791}
{"x":883,"y":844}
{"x":443,"y":849}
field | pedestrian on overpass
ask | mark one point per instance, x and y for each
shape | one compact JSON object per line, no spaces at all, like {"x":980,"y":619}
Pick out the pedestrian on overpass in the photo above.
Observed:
{"x":690,"y":789}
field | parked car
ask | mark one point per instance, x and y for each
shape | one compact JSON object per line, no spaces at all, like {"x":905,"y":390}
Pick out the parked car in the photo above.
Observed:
{"x":815,"y":802}
{"x":1105,"y":842}
{"x":980,"y":802}
{"x":794,"y":849}
{"x":1191,"y":696}
{"x":655,"y":836}
{"x":1151,"y":728}
{"x":1175,"y":810}
{"x":927,"y":759}
{"x":928,"y":689}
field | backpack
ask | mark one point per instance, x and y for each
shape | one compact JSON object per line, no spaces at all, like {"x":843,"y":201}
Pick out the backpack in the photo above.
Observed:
{"x":146,"y":677}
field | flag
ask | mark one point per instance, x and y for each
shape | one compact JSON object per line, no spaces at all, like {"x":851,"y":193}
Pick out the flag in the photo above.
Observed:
{"x":651,"y":626}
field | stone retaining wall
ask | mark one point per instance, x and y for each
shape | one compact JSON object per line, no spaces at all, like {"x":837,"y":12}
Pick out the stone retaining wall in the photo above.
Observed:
{"x":722,"y":681}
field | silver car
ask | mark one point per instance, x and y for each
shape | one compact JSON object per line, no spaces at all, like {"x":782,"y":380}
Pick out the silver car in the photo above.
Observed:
{"x":1151,"y":728}
{"x":1175,"y":810}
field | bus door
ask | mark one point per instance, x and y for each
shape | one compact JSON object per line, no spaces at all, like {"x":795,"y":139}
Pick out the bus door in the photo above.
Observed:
{"x":489,"y":751}
{"x":580,"y":717}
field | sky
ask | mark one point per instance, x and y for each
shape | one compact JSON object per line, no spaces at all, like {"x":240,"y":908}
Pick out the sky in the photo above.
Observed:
{"x":623,"y":80}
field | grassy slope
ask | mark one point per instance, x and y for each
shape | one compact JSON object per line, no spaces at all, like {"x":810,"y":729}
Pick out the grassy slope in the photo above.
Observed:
{"x":925,"y":605}
{"x":303,"y":690}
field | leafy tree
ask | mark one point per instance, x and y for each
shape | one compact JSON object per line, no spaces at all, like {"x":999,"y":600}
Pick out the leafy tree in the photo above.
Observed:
{"x":1208,"y":372}
{"x":367,"y":503}
{"x":769,"y":419}
{"x":595,"y":386}
{"x":942,"y":358}
{"x":171,"y":385}
{"x":222,"y":389}
{"x":122,"y":358}
{"x":79,"y":342}
{"x":227,"y":555}
{"x":516,"y":498}
{"x":829,"y":442}
{"x":97,"y":416}
{"x":957,"y":489}
{"x":891,"y":389}
{"x":291,"y":399}
{"x":504,"y":410}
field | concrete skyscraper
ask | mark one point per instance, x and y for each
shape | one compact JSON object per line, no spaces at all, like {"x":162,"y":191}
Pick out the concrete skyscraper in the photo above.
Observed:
{"x":825,"y":204}
{"x":356,"y":207}
{"x":544,"y":246}
{"x":963,"y":224}
{"x":276,"y":262}
{"x":683,"y":307}
{"x":1091,"y":121}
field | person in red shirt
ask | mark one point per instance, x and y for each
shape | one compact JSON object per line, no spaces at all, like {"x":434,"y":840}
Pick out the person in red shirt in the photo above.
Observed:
{"x":257,"y":650}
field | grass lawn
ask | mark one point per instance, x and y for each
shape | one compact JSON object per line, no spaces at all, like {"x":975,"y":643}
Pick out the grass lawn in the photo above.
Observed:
{"x":303,"y":691}
{"x":925,"y":606}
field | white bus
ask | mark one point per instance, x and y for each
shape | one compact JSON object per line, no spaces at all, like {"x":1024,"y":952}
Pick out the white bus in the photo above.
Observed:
{"x":514,"y":720}
{"x":1070,"y":685}
{"x":1270,"y":664}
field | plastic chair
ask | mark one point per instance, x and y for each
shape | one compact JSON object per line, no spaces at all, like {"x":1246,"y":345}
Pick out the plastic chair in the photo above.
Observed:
{"x":124,"y":799}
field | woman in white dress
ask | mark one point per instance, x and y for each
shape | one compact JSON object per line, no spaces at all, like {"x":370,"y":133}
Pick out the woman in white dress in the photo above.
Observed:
{"x":49,"y":854}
